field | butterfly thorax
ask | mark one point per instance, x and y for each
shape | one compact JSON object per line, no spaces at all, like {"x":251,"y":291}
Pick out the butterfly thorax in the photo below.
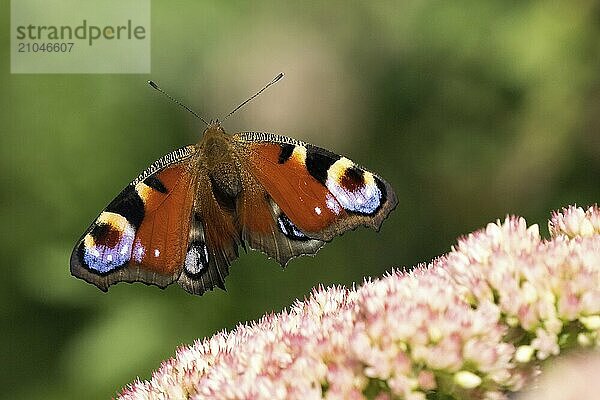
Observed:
{"x":220,"y":161}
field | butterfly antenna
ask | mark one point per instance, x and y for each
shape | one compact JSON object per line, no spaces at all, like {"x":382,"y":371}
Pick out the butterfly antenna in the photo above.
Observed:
{"x":155,"y":86}
{"x":278,"y":77}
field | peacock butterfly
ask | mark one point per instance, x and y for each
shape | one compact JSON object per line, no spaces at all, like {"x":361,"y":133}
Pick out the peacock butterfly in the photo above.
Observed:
{"x":183,"y":218}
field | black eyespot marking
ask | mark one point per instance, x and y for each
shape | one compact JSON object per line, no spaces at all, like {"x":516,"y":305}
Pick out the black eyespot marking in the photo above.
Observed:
{"x":155,"y":184}
{"x":290,"y":230}
{"x":318,"y":162}
{"x":130,"y":205}
{"x":286,"y":152}
{"x":353,"y":179}
{"x":99,"y":231}
{"x":106,"y":235}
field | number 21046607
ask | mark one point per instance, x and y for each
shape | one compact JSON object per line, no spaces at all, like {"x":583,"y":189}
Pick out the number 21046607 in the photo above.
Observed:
{"x":43,"y":47}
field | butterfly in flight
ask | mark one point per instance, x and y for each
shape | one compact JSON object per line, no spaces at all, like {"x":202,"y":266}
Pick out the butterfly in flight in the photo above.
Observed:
{"x":183,"y":218}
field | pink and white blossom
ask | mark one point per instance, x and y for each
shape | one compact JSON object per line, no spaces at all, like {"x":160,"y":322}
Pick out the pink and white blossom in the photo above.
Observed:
{"x":475,"y":323}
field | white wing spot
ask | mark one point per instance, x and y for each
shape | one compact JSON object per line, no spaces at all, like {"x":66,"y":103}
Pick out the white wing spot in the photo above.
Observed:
{"x":138,"y":251}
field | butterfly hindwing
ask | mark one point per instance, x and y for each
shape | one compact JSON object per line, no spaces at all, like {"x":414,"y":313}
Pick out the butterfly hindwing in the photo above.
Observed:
{"x":213,"y":241}
{"x":265,"y":227}
{"x":321,"y":193}
{"x":142,"y":234}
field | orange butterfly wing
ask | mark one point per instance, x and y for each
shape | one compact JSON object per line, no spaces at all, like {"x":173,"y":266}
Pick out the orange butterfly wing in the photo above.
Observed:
{"x":142,"y":235}
{"x":323,"y":194}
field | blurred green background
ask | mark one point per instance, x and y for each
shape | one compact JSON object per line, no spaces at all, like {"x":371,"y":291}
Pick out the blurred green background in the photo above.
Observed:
{"x":470,"y":109}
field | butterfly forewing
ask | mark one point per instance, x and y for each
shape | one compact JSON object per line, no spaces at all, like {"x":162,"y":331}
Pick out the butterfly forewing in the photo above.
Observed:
{"x":143,"y":233}
{"x":323,"y":194}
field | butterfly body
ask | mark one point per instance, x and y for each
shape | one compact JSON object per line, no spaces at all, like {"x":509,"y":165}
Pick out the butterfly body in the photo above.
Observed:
{"x":183,"y":219}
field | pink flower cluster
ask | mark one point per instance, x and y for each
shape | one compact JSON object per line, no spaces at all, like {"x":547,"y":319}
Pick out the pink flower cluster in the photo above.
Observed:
{"x":475,"y":323}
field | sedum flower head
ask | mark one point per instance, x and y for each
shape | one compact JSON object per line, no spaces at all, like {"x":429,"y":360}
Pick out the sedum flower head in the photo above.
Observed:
{"x":575,"y":221}
{"x":475,"y":323}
